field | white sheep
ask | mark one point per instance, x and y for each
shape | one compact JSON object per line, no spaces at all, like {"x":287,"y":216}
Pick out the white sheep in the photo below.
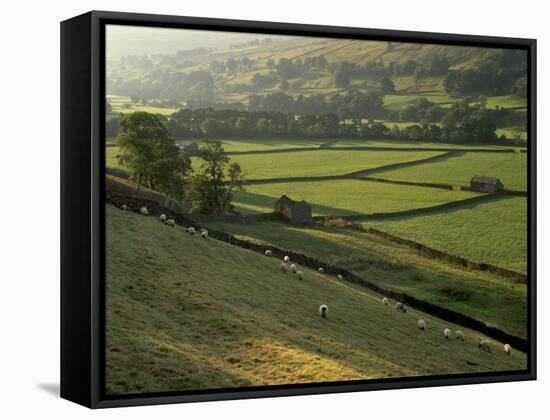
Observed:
{"x":340,"y":277}
{"x":170,"y":222}
{"x":144,"y":211}
{"x":459,"y":335}
{"x":293,"y":268}
{"x":190,"y":230}
{"x":204,"y":233}
{"x":286,"y":258}
{"x":401,"y":307}
{"x":385,"y":301}
{"x":507,"y":349}
{"x":284,"y":267}
{"x":446,"y":333}
{"x":421,"y":324}
{"x":268,"y":253}
{"x":300,"y":275}
{"x":124,"y":207}
{"x":321,"y":270}
{"x":162,"y":218}
{"x":323,"y":311}
{"x":485,"y":345}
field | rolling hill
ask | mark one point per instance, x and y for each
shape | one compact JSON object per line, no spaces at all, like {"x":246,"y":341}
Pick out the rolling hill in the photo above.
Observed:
{"x":184,"y":313}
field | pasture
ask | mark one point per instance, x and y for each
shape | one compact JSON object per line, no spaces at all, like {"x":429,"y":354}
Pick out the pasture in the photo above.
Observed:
{"x":312,"y":163}
{"x":346,"y":197}
{"x":383,"y":143}
{"x":124,"y":105}
{"x":494,"y":232}
{"x":511,"y":168}
{"x":174,"y":324}
{"x":268,"y":144}
{"x":495,"y":300}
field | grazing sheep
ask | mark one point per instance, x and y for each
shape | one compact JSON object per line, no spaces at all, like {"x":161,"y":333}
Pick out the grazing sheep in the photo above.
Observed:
{"x":385,"y":301}
{"x":459,"y":335}
{"x":323,"y":311}
{"x":170,"y":222}
{"x":507,"y":349}
{"x":124,"y":207}
{"x":162,"y":218}
{"x":286,"y":258}
{"x":144,"y":211}
{"x":446,"y":333}
{"x":284,"y":268}
{"x":300,"y":275}
{"x":321,"y":270}
{"x":340,"y":277}
{"x":204,"y":233}
{"x":485,"y":345}
{"x":293,"y":268}
{"x":400,"y":307}
{"x":190,"y":230}
{"x":421,"y":324}
{"x":268,"y":252}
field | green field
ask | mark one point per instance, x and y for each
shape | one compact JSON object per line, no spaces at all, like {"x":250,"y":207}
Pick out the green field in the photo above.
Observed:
{"x":510,"y":133}
{"x":510,"y":168}
{"x":495,"y":300}
{"x":227,"y":317}
{"x":493,"y":232}
{"x":506,"y":101}
{"x":398,"y":102}
{"x":320,"y":162}
{"x":268,"y":144}
{"x":118,"y":101}
{"x":345,"y":197}
{"x":412,"y":144}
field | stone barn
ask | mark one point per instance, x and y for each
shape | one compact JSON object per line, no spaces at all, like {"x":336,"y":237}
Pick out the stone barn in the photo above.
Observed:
{"x":296,"y":212}
{"x":486,"y":184}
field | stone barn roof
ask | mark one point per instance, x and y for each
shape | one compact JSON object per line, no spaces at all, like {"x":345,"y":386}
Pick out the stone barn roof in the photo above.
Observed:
{"x":486,"y":180}
{"x":285,"y":200}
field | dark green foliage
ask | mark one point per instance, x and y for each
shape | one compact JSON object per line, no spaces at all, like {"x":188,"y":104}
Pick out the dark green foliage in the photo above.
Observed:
{"x":216,"y":181}
{"x":149,"y":153}
{"x":496,"y":75}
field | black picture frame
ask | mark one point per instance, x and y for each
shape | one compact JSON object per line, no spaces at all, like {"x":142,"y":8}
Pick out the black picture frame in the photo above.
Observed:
{"x":83,"y":207}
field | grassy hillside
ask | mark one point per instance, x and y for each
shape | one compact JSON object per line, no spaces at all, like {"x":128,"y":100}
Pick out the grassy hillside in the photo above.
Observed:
{"x":185,"y":313}
{"x":495,"y":300}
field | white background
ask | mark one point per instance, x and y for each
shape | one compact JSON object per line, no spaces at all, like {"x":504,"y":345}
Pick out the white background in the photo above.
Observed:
{"x":29,"y":222}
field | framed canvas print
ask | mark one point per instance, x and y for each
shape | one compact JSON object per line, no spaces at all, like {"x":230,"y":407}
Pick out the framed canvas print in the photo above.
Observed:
{"x":255,"y":209}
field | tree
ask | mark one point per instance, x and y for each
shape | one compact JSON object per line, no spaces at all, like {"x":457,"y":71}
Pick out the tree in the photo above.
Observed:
{"x":149,"y":152}
{"x":214,"y":185}
{"x":212,"y":128}
{"x":387,"y":85}
{"x":520,"y":87}
{"x":341,"y":79}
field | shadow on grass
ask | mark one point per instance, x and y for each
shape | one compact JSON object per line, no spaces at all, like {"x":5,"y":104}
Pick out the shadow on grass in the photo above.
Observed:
{"x":259,"y":203}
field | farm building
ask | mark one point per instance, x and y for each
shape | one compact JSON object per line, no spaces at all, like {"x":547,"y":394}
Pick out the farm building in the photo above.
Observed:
{"x":296,"y":212}
{"x":191,"y":148}
{"x":486,"y":184}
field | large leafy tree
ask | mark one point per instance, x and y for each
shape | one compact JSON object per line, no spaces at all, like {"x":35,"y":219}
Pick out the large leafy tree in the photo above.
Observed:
{"x":215,"y":183}
{"x":150,"y":154}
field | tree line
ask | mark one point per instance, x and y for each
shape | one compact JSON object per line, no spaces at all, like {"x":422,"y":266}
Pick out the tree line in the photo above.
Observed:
{"x":463,"y":122}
